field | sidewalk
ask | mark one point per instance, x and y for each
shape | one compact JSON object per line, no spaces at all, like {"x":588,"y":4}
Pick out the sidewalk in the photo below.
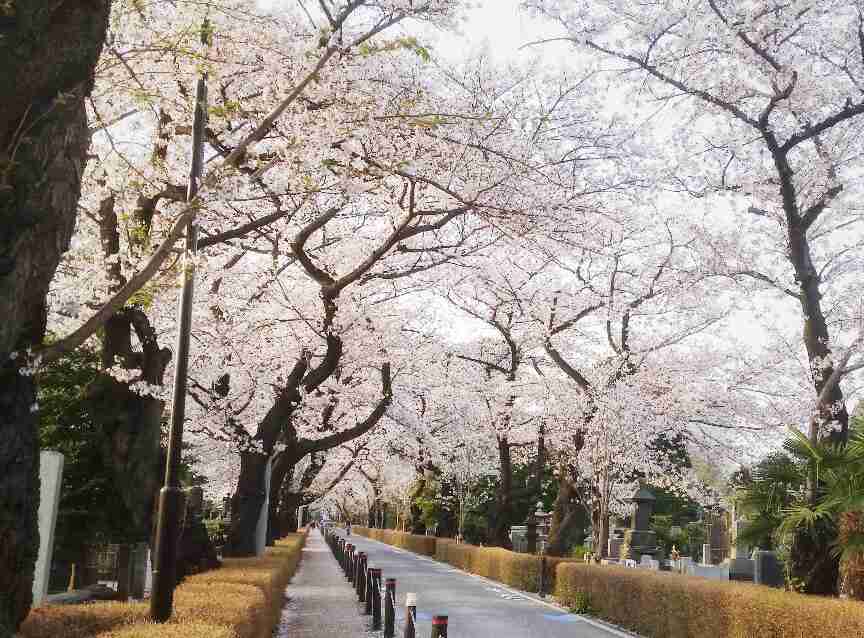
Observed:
{"x":320,"y":602}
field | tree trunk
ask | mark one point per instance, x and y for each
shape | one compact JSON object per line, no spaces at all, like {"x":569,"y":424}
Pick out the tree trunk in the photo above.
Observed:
{"x":19,"y":497}
{"x":288,"y":511}
{"x":48,"y":51}
{"x":504,"y":505}
{"x":282,"y":469}
{"x":564,"y":515}
{"x":603,"y":536}
{"x":246,"y":505}
{"x":131,"y":424}
{"x":851,"y":581}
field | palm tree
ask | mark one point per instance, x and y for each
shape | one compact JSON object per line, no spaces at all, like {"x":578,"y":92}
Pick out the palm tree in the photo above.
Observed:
{"x":837,"y":506}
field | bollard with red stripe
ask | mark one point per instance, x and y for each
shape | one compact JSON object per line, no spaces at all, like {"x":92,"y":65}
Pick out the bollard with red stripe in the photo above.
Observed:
{"x":439,"y":627}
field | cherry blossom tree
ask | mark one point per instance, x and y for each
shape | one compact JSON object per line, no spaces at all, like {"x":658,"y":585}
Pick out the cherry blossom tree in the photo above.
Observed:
{"x":49,"y":54}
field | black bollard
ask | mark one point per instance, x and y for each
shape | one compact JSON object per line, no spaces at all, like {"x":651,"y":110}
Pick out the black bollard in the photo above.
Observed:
{"x":390,"y":608}
{"x":358,"y":575}
{"x":410,"y":616}
{"x":439,"y":627}
{"x":367,"y":610}
{"x":376,"y":599}
{"x":349,"y":562}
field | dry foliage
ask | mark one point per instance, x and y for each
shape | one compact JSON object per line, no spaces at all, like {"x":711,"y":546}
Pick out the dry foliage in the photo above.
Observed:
{"x":666,"y":605}
{"x":242,"y":599}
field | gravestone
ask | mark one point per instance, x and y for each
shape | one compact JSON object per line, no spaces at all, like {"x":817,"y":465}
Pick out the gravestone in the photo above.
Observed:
{"x":640,"y":538}
{"x":767,"y":570}
{"x":261,"y":529}
{"x":138,"y":569}
{"x":711,"y":572}
{"x":706,"y":554}
{"x":616,"y":539}
{"x":50,"y":480}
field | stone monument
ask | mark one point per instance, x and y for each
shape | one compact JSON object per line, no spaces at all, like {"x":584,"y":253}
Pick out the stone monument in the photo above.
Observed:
{"x":640,"y":539}
{"x":50,"y":479}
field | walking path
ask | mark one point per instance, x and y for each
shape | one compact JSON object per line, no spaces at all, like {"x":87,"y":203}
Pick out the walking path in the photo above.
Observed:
{"x":477,"y":607}
{"x":320,"y":602}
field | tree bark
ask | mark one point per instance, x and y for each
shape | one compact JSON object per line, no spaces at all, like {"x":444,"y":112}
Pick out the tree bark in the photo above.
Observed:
{"x":48,"y":51}
{"x":504,"y":498}
{"x":851,"y":582}
{"x":246,"y":504}
{"x":565,"y":514}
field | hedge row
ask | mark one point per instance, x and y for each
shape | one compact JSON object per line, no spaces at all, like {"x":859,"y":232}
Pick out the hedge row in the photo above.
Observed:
{"x":241,"y":599}
{"x":515,"y":569}
{"x":521,"y":571}
{"x":665,"y":605}
{"x":412,"y":542}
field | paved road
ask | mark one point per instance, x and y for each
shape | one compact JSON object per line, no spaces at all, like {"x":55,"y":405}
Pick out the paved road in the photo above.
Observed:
{"x":478,"y":608}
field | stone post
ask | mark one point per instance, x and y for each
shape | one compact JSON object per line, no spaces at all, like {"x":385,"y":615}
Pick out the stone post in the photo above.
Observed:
{"x":50,"y":479}
{"x":261,"y":529}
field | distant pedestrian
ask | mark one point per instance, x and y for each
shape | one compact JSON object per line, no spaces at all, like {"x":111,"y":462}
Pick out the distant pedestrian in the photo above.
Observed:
{"x":348,"y":529}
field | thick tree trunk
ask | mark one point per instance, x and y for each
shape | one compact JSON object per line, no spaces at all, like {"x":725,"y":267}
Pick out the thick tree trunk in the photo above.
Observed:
{"x":246,"y":504}
{"x":282,"y":469}
{"x":851,"y":583}
{"x":504,"y":499}
{"x":288,"y":511}
{"x":564,"y":515}
{"x":19,"y":497}
{"x":131,"y":424}
{"x":48,"y":51}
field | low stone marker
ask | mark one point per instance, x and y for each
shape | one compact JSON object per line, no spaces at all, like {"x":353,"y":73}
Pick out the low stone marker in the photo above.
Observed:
{"x":767,"y":570}
{"x":709,"y":571}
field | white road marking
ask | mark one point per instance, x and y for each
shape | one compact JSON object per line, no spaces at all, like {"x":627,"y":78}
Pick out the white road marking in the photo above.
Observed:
{"x":516,"y":594}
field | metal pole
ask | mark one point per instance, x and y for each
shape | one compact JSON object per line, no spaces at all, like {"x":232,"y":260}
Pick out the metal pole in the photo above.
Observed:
{"x":439,"y":627}
{"x":171,"y":495}
{"x":410,"y":616}
{"x":390,"y":608}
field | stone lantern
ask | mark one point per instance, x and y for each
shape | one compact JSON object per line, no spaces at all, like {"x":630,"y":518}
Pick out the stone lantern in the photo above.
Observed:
{"x":640,"y":540}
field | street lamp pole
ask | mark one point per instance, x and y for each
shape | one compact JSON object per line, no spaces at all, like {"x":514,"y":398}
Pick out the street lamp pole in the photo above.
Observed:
{"x":171,"y":494}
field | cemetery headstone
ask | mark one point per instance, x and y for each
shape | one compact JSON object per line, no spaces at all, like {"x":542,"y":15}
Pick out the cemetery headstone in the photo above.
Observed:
{"x":261,"y":530}
{"x":640,"y":538}
{"x":50,"y":479}
{"x":767,"y":570}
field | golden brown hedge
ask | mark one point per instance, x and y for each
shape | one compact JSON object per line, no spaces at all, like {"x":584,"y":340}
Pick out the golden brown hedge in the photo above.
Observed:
{"x":412,"y":542}
{"x":666,"y":605}
{"x":241,"y":599}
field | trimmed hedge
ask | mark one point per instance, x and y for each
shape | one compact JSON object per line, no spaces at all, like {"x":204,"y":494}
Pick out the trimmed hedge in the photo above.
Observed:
{"x":241,"y":599}
{"x":521,"y":571}
{"x":412,"y":542}
{"x":515,"y":569}
{"x":666,"y":605}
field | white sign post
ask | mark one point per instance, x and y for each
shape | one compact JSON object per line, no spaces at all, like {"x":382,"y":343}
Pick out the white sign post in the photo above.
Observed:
{"x":50,"y":479}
